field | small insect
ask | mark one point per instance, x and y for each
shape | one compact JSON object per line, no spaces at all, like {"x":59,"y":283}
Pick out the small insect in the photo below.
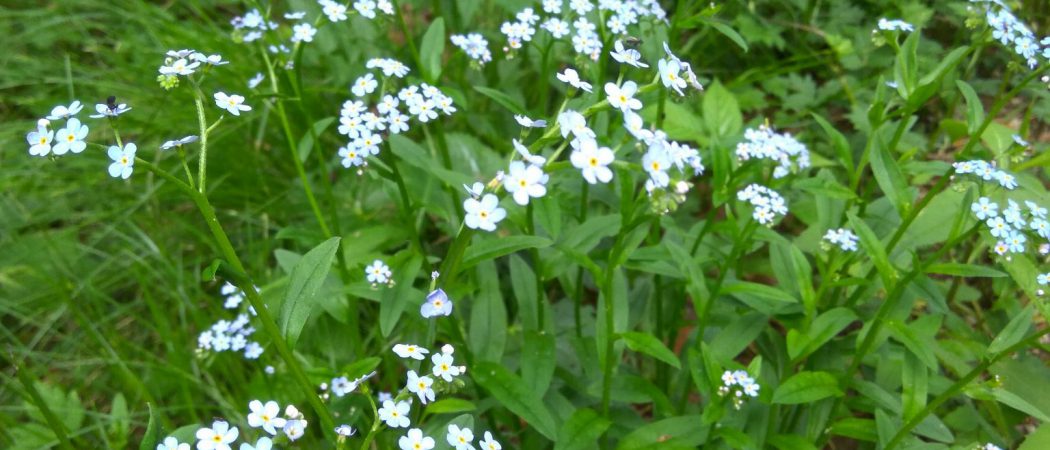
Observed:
{"x":632,"y":42}
{"x":111,"y":102}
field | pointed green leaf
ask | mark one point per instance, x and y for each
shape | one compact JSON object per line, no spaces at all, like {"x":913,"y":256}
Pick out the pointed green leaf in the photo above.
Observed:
{"x":582,"y":430}
{"x":305,"y":281}
{"x":1013,"y":332}
{"x":806,"y":387}
{"x":650,"y":345}
{"x":432,"y":48}
{"x":511,"y":392}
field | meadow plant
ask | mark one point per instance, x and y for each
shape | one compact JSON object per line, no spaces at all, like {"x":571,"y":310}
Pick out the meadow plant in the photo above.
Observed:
{"x":783,"y":225}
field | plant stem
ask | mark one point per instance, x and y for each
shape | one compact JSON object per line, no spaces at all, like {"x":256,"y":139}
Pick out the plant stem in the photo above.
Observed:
{"x":53,"y":421}
{"x":734,"y":254}
{"x":202,"y":122}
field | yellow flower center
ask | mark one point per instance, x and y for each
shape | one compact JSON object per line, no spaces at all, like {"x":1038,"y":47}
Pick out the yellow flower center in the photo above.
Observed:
{"x":124,"y":160}
{"x":444,"y":367}
{"x":623,"y":98}
{"x":483,"y":214}
{"x":70,"y":138}
{"x":522,"y":183}
{"x":594,"y":162}
{"x":656,"y":165}
{"x":43,"y":140}
{"x":217,"y":438}
{"x":265,"y":418}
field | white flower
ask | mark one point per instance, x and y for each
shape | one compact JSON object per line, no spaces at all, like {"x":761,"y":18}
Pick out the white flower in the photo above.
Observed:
{"x":489,"y":443}
{"x":110,"y":109}
{"x":669,"y":75}
{"x":264,"y":443}
{"x":622,"y":97}
{"x":378,"y":272}
{"x":265,"y":416}
{"x":70,"y":137}
{"x":303,"y":32}
{"x":218,"y":437}
{"x":894,"y":25}
{"x":552,"y":6}
{"x":40,"y":141}
{"x":397,"y":122}
{"x":528,"y":157}
{"x":170,"y":443}
{"x":437,"y":304}
{"x":364,"y":85}
{"x":529,"y":123}
{"x":525,"y":182}
{"x":386,"y":6}
{"x":295,"y":428}
{"x":336,"y":12}
{"x":123,"y":160}
{"x":475,"y":190}
{"x":573,"y":79}
{"x":368,"y":143}
{"x":395,"y":414}
{"x":61,"y":111}
{"x":180,"y":67}
{"x":421,"y":386}
{"x":460,"y":438}
{"x":212,"y":60}
{"x":593,"y":161}
{"x":483,"y":214}
{"x":256,"y":80}
{"x":628,"y":56}
{"x":410,"y":351}
{"x":345,"y":430}
{"x":443,"y":366}
{"x":232,"y":103}
{"x":367,"y":8}
{"x":252,"y":350}
{"x":423,"y":110}
{"x":167,"y":145}
{"x":843,"y":238}
{"x":415,"y":440}
{"x":656,"y":162}
{"x":352,"y":157}
{"x":573,"y":122}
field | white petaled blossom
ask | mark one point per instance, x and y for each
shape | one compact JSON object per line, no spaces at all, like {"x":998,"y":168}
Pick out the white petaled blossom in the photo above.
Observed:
{"x":483,"y":214}
{"x":593,"y":161}
{"x":1014,"y":34}
{"x":556,"y":27}
{"x":168,"y":145}
{"x":738,"y":384}
{"x":378,"y":273}
{"x":421,"y":386}
{"x":987,"y":172}
{"x":232,"y":103}
{"x":622,"y":97}
{"x":894,"y":25}
{"x":525,"y":182}
{"x":61,"y":111}
{"x":181,"y":66}
{"x":256,"y":80}
{"x":389,"y":67}
{"x":990,"y":446}
{"x":395,"y":414}
{"x":843,"y":238}
{"x":656,"y":163}
{"x":529,"y":123}
{"x":764,"y":143}
{"x":40,"y":141}
{"x":437,"y":304}
{"x":110,"y":109}
{"x":444,"y":366}
{"x":218,"y":437}
{"x":123,"y":160}
{"x":627,"y":56}
{"x":526,"y":155}
{"x":767,"y":203}
{"x":232,"y":336}
{"x":345,"y":431}
{"x":171,"y":443}
{"x":303,"y":32}
{"x":295,"y":428}
{"x":265,"y":416}
{"x":572,"y":78}
{"x":415,"y":440}
{"x":685,"y":67}
{"x":489,"y":443}
{"x":572,"y":122}
{"x":460,"y":438}
{"x":474,"y":45}
{"x":71,"y":138}
{"x":335,"y":11}
{"x":411,"y":351}
{"x":364,"y":85}
{"x":264,"y":443}
{"x":670,"y":76}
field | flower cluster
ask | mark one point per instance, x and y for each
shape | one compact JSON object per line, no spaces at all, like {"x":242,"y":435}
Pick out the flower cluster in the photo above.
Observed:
{"x":1012,"y":33}
{"x":987,"y":172}
{"x":70,"y":138}
{"x":767,"y":203}
{"x":843,"y":238}
{"x":894,"y":25}
{"x":226,"y":335}
{"x":363,"y":125}
{"x":183,"y":63}
{"x":585,"y":41}
{"x":1009,"y":225}
{"x":738,"y":384}
{"x":474,"y":45}
{"x":765,"y":143}
{"x":221,"y":436}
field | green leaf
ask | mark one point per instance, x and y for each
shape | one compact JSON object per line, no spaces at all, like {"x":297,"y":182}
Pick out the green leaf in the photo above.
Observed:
{"x":916,"y":343}
{"x":582,"y":430}
{"x":791,"y":442}
{"x":1021,"y":404}
{"x":449,"y":406}
{"x":914,"y":385}
{"x":737,"y":335}
{"x":511,"y":392}
{"x":964,"y":270}
{"x":650,"y":345}
{"x":537,"y":360}
{"x":875,"y":250}
{"x":1013,"y":332}
{"x":730,"y":33}
{"x":889,"y":176}
{"x":494,"y":248}
{"x":721,"y":112}
{"x":523,"y":283}
{"x":208,"y":274}
{"x":306,"y":144}
{"x":1039,"y":440}
{"x":805,"y":387}
{"x":152,"y":436}
{"x":431,"y":50}
{"x":824,"y":328}
{"x":488,"y":315}
{"x":503,"y":99}
{"x":974,"y":107}
{"x":306,"y":279}
{"x":906,"y":69}
{"x":671,"y":433}
{"x":395,"y":300}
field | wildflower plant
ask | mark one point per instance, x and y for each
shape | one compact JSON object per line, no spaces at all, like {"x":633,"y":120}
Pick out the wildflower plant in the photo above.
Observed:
{"x":571,"y":224}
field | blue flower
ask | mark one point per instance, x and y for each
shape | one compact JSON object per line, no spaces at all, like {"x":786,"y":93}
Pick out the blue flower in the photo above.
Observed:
{"x":984,"y":208}
{"x":437,"y":304}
